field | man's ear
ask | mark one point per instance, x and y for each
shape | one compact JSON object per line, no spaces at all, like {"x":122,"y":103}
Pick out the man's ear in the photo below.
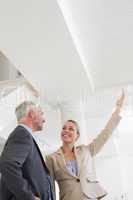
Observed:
{"x":30,"y":114}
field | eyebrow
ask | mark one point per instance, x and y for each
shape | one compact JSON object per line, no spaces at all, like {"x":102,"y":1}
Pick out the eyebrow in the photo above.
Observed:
{"x":69,"y":127}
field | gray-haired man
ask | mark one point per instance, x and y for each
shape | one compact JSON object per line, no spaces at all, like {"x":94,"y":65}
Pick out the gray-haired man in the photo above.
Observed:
{"x":24,"y":173}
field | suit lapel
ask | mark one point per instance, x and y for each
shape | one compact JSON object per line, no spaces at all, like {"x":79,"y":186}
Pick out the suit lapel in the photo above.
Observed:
{"x":62,"y":162}
{"x":78,"y":160}
{"x":28,"y":130}
{"x":39,"y":151}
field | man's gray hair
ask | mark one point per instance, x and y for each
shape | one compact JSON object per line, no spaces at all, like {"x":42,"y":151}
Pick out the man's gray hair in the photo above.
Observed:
{"x":23,"y":108}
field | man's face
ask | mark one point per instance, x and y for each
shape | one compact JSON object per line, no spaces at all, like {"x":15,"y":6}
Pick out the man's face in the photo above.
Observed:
{"x":38,"y":119}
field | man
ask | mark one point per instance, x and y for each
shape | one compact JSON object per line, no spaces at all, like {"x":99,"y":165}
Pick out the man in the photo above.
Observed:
{"x":24,"y":175}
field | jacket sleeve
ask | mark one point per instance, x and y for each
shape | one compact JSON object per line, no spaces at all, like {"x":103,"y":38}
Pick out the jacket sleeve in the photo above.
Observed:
{"x":50,"y":166}
{"x":96,"y":145}
{"x":11,"y":162}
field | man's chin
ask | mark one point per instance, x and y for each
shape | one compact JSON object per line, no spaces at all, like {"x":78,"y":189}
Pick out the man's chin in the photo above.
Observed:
{"x":39,"y":128}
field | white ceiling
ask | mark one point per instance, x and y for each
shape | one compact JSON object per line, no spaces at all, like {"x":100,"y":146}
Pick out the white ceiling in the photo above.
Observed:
{"x":35,"y":38}
{"x":67,"y":48}
{"x":102,"y":31}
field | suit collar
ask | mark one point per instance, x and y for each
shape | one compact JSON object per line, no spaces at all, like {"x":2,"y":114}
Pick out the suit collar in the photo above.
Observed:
{"x":27,"y":128}
{"x":59,"y":152}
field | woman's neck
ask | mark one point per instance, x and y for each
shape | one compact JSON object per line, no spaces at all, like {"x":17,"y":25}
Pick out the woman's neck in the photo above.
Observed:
{"x":68,"y":148}
{"x":68,"y":152}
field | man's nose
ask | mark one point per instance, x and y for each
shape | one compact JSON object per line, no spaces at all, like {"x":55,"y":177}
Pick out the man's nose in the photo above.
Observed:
{"x":44,"y":120}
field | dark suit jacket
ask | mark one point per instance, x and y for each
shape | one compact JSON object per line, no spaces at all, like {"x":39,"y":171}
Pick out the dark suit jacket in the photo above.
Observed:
{"x":24,"y":173}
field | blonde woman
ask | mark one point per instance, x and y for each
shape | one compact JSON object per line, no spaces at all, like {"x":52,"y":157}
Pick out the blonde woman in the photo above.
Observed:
{"x":72,"y":167}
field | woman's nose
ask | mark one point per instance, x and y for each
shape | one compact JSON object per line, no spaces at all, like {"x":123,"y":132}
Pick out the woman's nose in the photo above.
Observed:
{"x":67,"y":130}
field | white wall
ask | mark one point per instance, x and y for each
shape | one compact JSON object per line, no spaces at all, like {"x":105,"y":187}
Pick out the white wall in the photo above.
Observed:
{"x":114,"y":163}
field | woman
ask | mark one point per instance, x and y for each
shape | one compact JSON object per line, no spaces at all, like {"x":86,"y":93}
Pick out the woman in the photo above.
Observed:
{"x":72,"y":167}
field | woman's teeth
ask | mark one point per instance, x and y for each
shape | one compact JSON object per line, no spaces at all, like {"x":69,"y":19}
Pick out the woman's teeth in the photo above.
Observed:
{"x":65,"y":135}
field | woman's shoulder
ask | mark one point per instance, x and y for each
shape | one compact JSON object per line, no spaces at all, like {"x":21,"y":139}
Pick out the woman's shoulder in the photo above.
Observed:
{"x":80,"y":147}
{"x":83,"y":148}
{"x":54,"y":154}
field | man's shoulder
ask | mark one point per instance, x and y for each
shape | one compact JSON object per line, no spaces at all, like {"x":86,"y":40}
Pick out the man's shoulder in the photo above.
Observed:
{"x":19,"y":132}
